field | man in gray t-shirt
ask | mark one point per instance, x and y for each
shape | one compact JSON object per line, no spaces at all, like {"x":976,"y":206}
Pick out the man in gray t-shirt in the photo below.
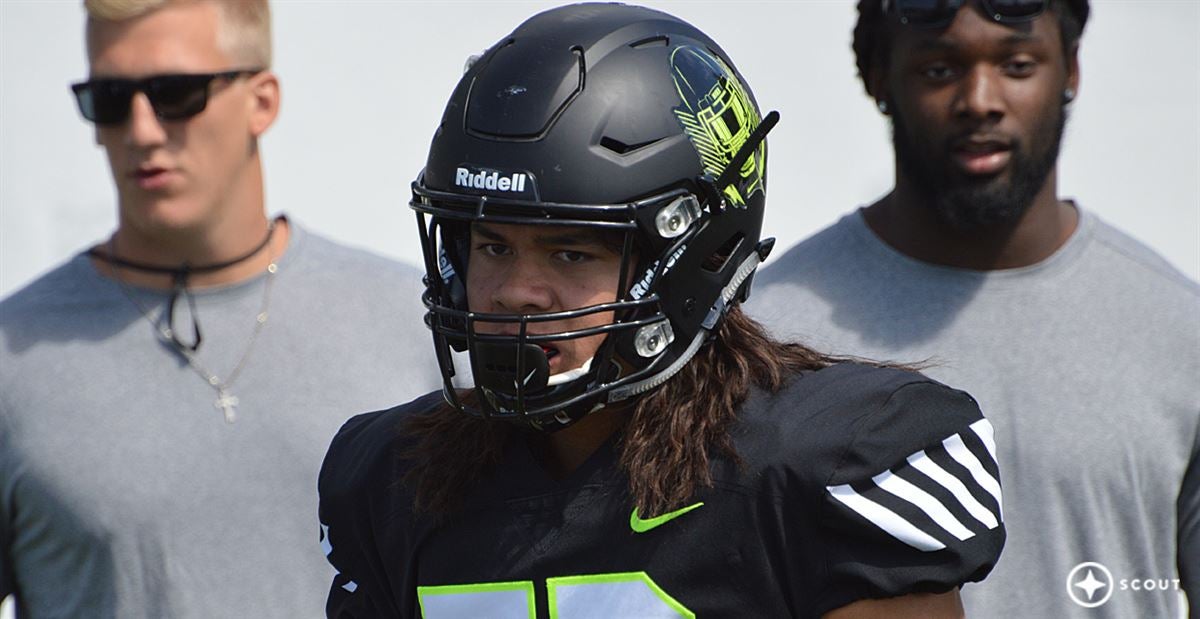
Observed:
{"x":166,"y":396}
{"x":1081,"y":345}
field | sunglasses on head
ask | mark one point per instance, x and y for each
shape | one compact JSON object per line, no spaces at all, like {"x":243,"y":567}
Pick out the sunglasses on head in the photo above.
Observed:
{"x":939,"y":13}
{"x":173,"y":97}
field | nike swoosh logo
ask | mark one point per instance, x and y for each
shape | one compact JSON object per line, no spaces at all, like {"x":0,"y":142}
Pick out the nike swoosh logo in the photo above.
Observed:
{"x":641,"y":526}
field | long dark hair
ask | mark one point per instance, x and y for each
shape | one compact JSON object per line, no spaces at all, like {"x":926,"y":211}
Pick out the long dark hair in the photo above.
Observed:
{"x":667,"y":444}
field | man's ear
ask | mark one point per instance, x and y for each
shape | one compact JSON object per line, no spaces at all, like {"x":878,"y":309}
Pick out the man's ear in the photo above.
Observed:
{"x":1073,"y":68}
{"x":264,"y":102}
{"x":876,"y":84}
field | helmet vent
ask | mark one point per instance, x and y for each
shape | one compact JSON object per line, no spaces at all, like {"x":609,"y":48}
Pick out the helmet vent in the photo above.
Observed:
{"x":621,"y":148}
{"x":660,"y":40}
{"x":717,"y":261}
{"x":522,"y":89}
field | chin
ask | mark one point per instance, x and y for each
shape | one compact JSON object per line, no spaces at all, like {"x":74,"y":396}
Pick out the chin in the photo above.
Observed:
{"x":163,"y":214}
{"x":981,"y":206}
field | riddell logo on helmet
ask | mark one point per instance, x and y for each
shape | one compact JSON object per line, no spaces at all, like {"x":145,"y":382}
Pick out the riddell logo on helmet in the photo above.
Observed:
{"x":640,"y":289}
{"x":490,"y":180}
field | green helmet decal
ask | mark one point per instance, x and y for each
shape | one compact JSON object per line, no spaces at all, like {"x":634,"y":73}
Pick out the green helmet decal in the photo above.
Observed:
{"x":718,"y":116}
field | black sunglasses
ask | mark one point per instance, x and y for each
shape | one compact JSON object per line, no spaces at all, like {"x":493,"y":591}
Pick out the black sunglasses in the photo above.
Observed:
{"x":173,"y":97}
{"x":939,"y":13}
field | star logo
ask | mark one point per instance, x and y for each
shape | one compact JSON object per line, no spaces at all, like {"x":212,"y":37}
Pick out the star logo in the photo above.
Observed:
{"x":1090,"y":584}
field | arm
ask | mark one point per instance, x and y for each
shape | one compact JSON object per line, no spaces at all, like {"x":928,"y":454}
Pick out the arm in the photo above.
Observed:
{"x":340,"y":603}
{"x":357,"y":467}
{"x":912,"y":606}
{"x":1188,"y":553}
{"x":913,"y":507}
{"x":7,"y":572}
{"x":7,"y":587}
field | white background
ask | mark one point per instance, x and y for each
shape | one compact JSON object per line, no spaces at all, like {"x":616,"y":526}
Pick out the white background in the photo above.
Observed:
{"x":364,"y":83}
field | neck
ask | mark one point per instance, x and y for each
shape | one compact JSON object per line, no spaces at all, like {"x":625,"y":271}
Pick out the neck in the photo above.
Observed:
{"x":904,"y":221}
{"x":175,"y":248}
{"x":563,"y":452}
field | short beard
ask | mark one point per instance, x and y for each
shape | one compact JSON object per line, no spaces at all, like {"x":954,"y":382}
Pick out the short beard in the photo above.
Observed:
{"x":970,"y":205}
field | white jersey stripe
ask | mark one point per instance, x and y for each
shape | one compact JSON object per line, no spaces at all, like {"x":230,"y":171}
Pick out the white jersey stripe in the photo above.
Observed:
{"x":983,"y":429}
{"x":958,"y":450}
{"x":933,"y":508}
{"x":923,"y":463}
{"x":885,"y":519}
{"x":326,"y":547}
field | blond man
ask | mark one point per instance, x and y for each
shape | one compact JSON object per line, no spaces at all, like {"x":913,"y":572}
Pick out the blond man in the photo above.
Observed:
{"x":166,"y":395}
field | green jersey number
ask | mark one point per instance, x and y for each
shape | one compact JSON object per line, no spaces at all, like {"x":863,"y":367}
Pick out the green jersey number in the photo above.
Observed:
{"x":629,"y":594}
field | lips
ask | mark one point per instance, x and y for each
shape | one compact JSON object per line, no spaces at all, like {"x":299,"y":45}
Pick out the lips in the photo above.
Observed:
{"x":982,"y":155}
{"x":151,"y":177}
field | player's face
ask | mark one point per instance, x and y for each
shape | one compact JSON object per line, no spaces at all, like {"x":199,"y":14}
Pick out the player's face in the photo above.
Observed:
{"x":540,"y":269}
{"x":178,"y":174}
{"x":978,"y":113}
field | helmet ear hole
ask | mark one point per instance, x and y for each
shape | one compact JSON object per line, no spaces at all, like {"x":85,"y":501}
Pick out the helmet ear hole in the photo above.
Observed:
{"x":455,"y":248}
{"x":715,"y":263}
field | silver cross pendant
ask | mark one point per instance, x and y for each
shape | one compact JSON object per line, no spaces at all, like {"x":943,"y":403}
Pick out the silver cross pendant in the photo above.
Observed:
{"x":228,"y":405}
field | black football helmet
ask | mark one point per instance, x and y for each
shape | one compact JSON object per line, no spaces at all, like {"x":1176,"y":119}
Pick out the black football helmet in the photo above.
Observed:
{"x":603,"y":116}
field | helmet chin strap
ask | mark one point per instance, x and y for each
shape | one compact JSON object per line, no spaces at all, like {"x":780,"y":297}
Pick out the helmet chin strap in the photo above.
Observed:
{"x":715,"y":313}
{"x":569,"y":375}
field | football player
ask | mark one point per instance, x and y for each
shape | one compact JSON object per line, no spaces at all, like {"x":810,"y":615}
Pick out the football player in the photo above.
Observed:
{"x":631,"y":444}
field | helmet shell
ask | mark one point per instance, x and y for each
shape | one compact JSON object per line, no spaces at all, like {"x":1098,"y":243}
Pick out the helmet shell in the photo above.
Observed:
{"x":598,"y":113}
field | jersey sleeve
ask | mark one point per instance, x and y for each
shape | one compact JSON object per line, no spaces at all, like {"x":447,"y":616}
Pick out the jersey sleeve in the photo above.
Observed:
{"x":346,"y":537}
{"x":914,"y":503}
{"x":1188,"y":507}
{"x":344,"y":600}
{"x":7,"y":572}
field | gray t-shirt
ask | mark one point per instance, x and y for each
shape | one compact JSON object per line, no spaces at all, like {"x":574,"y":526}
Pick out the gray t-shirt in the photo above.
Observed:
{"x":123,"y":491}
{"x":1088,"y":365}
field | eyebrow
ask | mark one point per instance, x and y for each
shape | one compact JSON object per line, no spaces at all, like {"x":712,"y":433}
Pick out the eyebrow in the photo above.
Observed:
{"x":1014,"y":38}
{"x":487,"y":232}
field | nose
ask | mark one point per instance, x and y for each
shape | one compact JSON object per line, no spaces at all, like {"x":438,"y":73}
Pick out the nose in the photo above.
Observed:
{"x":145,"y":128}
{"x":522,"y":288}
{"x":980,"y":96}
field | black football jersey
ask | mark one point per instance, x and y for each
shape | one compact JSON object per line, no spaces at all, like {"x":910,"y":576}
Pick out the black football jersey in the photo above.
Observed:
{"x":856,"y":482}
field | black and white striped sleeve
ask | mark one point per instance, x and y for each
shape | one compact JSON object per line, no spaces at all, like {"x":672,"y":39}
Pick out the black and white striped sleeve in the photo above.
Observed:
{"x":915,"y":505}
